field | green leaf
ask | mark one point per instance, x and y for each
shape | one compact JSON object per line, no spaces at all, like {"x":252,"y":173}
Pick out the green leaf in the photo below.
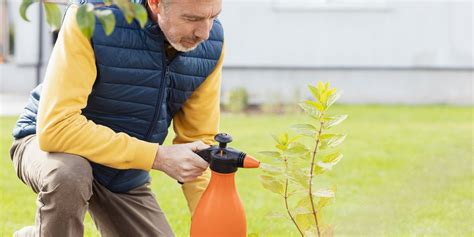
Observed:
{"x":318,"y":170}
{"x":305,"y":129}
{"x":304,"y":202}
{"x":273,"y":184}
{"x":86,"y":20}
{"x":324,"y":201}
{"x":305,"y":221}
{"x":107,"y":19}
{"x":330,"y":92}
{"x":126,"y":8}
{"x":314,"y":92}
{"x":294,"y":139}
{"x":296,"y":149}
{"x":140,"y":14}
{"x":310,"y":110}
{"x":325,"y":193}
{"x":302,"y":210}
{"x":53,"y":15}
{"x":330,"y":160}
{"x":327,"y":136}
{"x":332,"y":140}
{"x":326,"y":95}
{"x":271,"y":154}
{"x":315,"y":105}
{"x":322,"y":93}
{"x":334,"y":120}
{"x":332,"y":157}
{"x":25,"y":4}
{"x":326,"y":86}
{"x":272,"y":170}
{"x":335,"y":141}
{"x":281,"y":139}
{"x":252,"y":235}
{"x":326,"y":166}
{"x":282,"y":147}
{"x":299,"y":177}
{"x":332,"y":99}
{"x":321,"y":87}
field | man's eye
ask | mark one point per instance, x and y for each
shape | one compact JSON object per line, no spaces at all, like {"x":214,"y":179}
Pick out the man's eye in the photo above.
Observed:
{"x":192,"y":19}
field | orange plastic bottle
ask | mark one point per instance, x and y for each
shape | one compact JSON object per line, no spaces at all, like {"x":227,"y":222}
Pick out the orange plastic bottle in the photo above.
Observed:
{"x":220,"y":212}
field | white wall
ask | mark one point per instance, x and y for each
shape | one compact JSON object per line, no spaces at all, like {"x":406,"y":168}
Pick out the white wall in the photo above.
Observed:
{"x":359,"y":86}
{"x":295,"y":33}
{"x":411,"y":52}
{"x":377,"y":51}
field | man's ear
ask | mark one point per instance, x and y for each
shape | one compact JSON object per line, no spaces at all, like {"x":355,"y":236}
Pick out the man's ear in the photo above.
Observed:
{"x":154,"y":6}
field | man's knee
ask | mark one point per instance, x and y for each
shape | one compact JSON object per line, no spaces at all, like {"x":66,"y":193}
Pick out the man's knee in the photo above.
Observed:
{"x":70,"y":176}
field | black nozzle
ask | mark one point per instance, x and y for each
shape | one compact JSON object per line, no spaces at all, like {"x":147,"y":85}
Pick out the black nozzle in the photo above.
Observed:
{"x":223,"y":159}
{"x":223,"y":139}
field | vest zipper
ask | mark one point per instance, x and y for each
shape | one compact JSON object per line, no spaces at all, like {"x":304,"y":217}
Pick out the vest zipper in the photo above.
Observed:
{"x":161,"y":95}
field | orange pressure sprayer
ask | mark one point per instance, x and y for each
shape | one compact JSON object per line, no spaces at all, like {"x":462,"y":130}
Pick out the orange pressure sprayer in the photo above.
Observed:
{"x":220,"y":212}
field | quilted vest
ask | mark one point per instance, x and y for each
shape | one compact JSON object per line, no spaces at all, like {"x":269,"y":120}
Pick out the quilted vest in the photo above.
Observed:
{"x":137,"y":90}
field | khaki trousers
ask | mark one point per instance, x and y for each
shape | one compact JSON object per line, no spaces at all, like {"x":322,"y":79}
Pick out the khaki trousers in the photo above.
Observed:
{"x":66,"y":190}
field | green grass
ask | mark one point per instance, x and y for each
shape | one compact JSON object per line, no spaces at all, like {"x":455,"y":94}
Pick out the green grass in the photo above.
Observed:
{"x":407,"y":171}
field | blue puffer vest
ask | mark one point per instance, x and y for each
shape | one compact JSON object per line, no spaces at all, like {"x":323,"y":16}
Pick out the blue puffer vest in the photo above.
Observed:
{"x":136,"y":90}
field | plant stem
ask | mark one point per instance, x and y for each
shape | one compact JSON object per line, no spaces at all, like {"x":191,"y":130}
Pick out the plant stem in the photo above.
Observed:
{"x":313,"y":159}
{"x":288,"y":209}
{"x":286,"y":201}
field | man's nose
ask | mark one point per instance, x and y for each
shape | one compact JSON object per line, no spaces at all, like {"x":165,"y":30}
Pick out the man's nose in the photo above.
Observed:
{"x":202,"y":32}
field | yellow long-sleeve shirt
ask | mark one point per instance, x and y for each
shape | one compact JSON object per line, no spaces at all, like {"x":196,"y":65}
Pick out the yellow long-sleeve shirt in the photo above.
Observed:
{"x":69,"y":79}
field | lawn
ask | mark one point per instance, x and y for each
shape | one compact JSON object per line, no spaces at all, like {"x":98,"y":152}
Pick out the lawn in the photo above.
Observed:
{"x":407,"y":171}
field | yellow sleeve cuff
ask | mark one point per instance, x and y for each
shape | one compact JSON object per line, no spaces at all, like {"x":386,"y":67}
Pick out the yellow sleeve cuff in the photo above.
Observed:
{"x":145,"y":153}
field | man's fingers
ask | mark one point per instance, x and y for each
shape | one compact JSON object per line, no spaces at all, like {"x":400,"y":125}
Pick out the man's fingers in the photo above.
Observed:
{"x":199,"y":145}
{"x":199,"y":162}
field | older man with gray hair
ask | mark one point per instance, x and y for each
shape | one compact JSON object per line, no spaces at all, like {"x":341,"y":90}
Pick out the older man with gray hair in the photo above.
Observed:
{"x":94,"y":129}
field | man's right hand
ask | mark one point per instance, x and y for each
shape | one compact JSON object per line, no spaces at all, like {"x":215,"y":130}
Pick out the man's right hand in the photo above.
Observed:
{"x":180,"y":161}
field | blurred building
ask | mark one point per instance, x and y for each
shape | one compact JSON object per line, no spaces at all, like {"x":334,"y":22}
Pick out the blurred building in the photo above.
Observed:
{"x":376,"y":51}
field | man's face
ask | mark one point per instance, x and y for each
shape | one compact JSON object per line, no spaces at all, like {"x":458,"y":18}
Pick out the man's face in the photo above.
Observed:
{"x":187,"y":23}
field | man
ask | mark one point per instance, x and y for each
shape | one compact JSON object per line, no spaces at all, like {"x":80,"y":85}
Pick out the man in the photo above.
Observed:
{"x":93,"y":130}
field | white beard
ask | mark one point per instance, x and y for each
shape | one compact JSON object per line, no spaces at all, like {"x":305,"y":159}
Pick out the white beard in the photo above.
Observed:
{"x":183,"y":49}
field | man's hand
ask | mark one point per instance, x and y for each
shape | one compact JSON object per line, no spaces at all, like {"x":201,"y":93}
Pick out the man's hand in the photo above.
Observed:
{"x":180,"y":162}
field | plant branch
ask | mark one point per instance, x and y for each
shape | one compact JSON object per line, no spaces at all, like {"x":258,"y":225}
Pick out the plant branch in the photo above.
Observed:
{"x":286,"y":201}
{"x":288,"y":209}
{"x":313,"y":159}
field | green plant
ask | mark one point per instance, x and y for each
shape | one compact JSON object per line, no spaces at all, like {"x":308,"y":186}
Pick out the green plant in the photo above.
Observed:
{"x":87,"y":13}
{"x":237,"y":100}
{"x":298,"y":165}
